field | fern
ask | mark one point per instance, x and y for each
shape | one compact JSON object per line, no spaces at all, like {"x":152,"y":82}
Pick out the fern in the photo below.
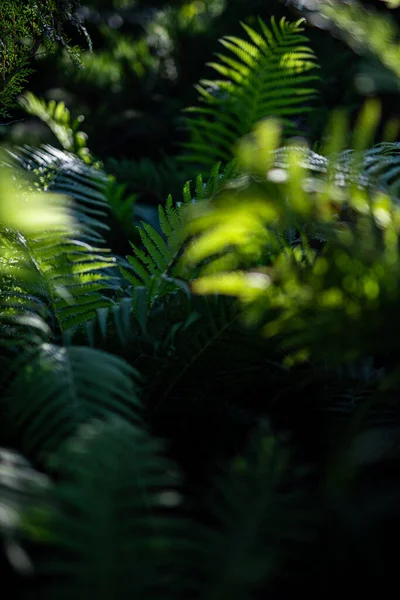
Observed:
{"x":58,"y":118}
{"x":262,"y":520}
{"x":67,"y":278}
{"x":156,"y":265}
{"x":359,"y":222}
{"x":75,"y":274}
{"x":194,"y":367}
{"x":115,"y":328}
{"x":114,"y":510}
{"x":173,"y":344}
{"x":112,"y":529}
{"x":266,"y":77}
{"x":381,"y":166}
{"x":376,"y":167}
{"x":64,"y":173}
{"x":54,"y":389}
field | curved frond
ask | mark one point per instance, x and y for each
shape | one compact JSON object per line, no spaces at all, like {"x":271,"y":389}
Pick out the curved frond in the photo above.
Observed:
{"x":269,"y":76}
{"x":64,"y":173}
{"x":155,"y":266}
{"x":378,"y":166}
{"x":55,"y":389}
{"x":58,"y":118}
{"x":72,"y":265}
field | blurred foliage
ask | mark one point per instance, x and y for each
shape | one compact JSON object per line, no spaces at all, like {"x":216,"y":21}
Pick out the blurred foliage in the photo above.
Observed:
{"x":301,"y":292}
{"x":200,"y":381}
{"x":30,"y":28}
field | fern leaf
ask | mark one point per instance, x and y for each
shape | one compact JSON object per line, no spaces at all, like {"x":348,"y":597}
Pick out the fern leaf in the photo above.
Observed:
{"x":261,"y":521}
{"x":111,"y":528}
{"x":58,"y":119}
{"x":156,"y":264}
{"x":75,"y":273}
{"x":55,"y":389}
{"x":64,"y":173}
{"x":268,"y":76}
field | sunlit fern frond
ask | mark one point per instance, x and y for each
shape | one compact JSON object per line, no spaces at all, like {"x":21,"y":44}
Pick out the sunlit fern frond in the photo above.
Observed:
{"x":74,"y":264}
{"x":381,"y":165}
{"x":269,"y":76}
{"x":62,"y":172}
{"x":351,"y":202}
{"x":56,"y":276}
{"x":58,"y":118}
{"x":155,"y":265}
{"x":26,"y":315}
{"x":378,"y":166}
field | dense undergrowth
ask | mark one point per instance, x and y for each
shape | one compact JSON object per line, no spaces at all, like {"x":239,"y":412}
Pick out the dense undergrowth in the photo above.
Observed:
{"x":201,"y":401}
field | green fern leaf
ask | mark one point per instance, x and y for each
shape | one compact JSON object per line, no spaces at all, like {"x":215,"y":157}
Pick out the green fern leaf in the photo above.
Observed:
{"x":269,"y":76}
{"x":75,"y":274}
{"x":111,"y":528}
{"x":64,"y":173}
{"x":56,"y":389}
{"x":156,"y":265}
{"x":58,"y":118}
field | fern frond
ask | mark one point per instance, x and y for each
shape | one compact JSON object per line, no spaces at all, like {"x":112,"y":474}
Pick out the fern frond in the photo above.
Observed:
{"x":357,"y":214}
{"x":381,"y":165}
{"x":58,"y":118}
{"x":62,"y":172}
{"x":262,"y":519}
{"x":55,"y":389}
{"x":56,"y":277}
{"x":270,"y":76}
{"x":112,"y":529}
{"x":73,"y":264}
{"x":156,"y":265}
{"x":115,"y":321}
{"x":377,"y":167}
{"x":149,"y":266}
